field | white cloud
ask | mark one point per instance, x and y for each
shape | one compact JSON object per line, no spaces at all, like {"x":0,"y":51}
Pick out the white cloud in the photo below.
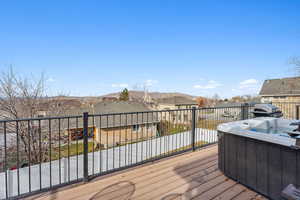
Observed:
{"x":119,"y":85}
{"x":150,"y":82}
{"x":50,"y":79}
{"x":249,"y":83}
{"x":146,"y":84}
{"x":249,"y":86}
{"x":210,"y":85}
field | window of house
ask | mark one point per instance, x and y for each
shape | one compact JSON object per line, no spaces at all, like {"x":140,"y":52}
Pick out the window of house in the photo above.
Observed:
{"x":148,"y":126}
{"x":174,"y":117}
{"x":135,"y":128}
{"x":185,"y":117}
{"x":279,"y":97}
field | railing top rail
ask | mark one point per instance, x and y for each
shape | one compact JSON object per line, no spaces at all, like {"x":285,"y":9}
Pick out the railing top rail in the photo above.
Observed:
{"x":286,"y":102}
{"x":140,"y":112}
{"x":223,"y":107}
{"x":119,"y":113}
{"x":40,"y":118}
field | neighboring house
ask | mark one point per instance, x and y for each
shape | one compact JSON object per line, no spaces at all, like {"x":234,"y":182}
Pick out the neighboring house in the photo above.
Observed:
{"x":284,"y":93}
{"x":176,"y":102}
{"x":173,"y":103}
{"x":281,"y":90}
{"x":116,"y":128}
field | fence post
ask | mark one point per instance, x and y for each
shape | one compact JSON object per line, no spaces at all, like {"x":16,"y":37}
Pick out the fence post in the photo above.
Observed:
{"x":244,"y":111}
{"x":85,"y":147}
{"x":193,"y":128}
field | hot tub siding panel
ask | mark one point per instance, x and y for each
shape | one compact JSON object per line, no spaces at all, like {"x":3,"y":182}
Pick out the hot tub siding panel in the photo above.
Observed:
{"x":251,"y":163}
{"x":289,"y":167}
{"x":275,"y":172}
{"x":227,"y":157}
{"x":262,"y":168}
{"x":241,"y":159}
{"x":232,"y":150}
{"x":221,"y":147}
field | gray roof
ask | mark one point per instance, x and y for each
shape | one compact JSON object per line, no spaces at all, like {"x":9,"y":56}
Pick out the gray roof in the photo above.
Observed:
{"x":233,"y":104}
{"x":177,"y":100}
{"x":107,"y":114}
{"x":110,"y":107}
{"x":281,"y":87}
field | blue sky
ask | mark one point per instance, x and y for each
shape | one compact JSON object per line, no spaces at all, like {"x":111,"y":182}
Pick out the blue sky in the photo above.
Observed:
{"x":196,"y":47}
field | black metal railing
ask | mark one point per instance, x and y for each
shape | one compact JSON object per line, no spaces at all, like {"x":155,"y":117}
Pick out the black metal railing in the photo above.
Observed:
{"x":42,"y":154}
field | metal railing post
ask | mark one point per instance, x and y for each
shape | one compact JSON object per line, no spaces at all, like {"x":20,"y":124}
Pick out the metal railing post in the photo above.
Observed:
{"x":297,"y":112}
{"x":244,"y":111}
{"x":85,"y":147}
{"x":193,"y":128}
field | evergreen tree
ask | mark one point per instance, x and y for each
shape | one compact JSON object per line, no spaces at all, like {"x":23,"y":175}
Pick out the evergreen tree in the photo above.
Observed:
{"x":124,"y":95}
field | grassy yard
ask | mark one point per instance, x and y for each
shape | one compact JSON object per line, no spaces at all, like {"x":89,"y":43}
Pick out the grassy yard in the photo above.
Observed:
{"x":72,"y":150}
{"x":209,"y":124}
{"x":168,"y":128}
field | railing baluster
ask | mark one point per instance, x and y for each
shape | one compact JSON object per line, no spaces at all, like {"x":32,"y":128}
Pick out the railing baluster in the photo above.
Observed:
{"x":93,"y":145}
{"x":5,"y":161}
{"x":107,"y":144}
{"x":120,"y":140}
{"x":50,"y":154}
{"x":29,"y":154}
{"x":85,"y":146}
{"x":59,"y":152}
{"x":137,"y":139}
{"x":113,"y":125}
{"x":147,"y":136}
{"x":69,"y":170}
{"x":131,"y":143}
{"x":76,"y":137}
{"x":18,"y":157}
{"x":126,"y":140}
{"x":100,"y":145}
{"x":40,"y":154}
{"x":160,"y":134}
{"x":142,"y":139}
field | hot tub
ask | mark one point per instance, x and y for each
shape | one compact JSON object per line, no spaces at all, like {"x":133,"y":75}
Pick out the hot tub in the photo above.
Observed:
{"x":261,"y":153}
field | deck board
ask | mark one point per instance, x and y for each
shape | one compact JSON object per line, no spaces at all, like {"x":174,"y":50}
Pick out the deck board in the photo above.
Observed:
{"x":193,"y":175}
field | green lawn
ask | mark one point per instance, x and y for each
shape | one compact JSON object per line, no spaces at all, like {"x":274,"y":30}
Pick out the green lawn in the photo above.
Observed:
{"x":72,"y":150}
{"x":209,"y":124}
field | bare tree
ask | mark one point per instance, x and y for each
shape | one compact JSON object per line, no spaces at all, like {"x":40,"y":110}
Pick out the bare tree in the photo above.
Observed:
{"x":21,"y":98}
{"x":295,"y":62}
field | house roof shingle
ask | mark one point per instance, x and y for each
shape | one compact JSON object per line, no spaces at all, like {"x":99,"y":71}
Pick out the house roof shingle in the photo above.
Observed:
{"x":281,"y":87}
{"x":114,"y":119}
{"x":176,"y":100}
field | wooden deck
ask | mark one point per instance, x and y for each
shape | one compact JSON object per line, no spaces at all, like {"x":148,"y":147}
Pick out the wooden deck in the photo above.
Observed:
{"x":192,"y":175}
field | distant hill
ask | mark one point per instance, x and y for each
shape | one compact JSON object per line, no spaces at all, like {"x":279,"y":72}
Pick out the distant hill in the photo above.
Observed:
{"x":153,"y":95}
{"x":138,"y":96}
